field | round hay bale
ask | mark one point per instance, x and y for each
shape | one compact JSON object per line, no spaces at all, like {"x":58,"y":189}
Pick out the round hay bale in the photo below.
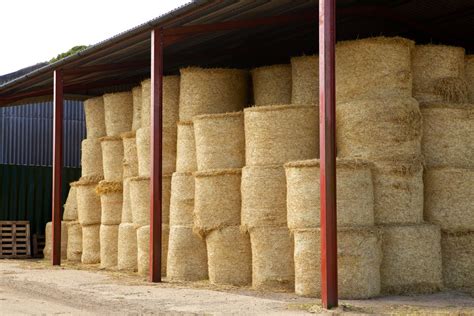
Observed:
{"x":209,"y":91}
{"x":411,"y":259}
{"x":70,"y":207}
{"x":363,"y":125}
{"x":88,"y":202}
{"x":95,"y":119}
{"x":355,"y":193}
{"x":359,"y":256}
{"x":91,"y":158}
{"x":118,"y":108}
{"x":187,"y":255}
{"x":48,"y":244}
{"x":272,"y":84}
{"x":137,"y":108}
{"x":281,"y":133}
{"x":448,"y":131}
{"x":108,"y":246}
{"x":126,"y":204}
{"x":449,"y":198}
{"x":170,"y":101}
{"x":435,"y":67}
{"x":220,"y":141}
{"x":90,"y":244}
{"x":143,"y":249}
{"x":305,"y":80}
{"x":469,"y":73}
{"x":186,"y":148}
{"x":398,"y":192}
{"x":112,"y":158}
{"x":217,"y":199}
{"x":127,"y":247}
{"x":263,"y":196}
{"x":458,"y":259}
{"x":272,"y":258}
{"x":373,"y":68}
{"x":130,"y":156}
{"x":74,"y":241}
{"x":111,"y":202}
{"x":229,"y":257}
{"x":182,"y":199}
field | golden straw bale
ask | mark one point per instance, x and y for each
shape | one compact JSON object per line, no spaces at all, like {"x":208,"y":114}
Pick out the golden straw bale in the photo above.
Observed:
{"x":411,"y":259}
{"x":362,"y":126}
{"x":90,"y":244}
{"x":458,"y":259}
{"x":74,"y":241}
{"x":108,"y":246}
{"x":170,"y":101}
{"x":118,"y":108}
{"x":281,"y":133}
{"x":88,"y":202}
{"x":127,"y":247}
{"x":220,"y":140}
{"x":263,"y":196}
{"x":448,"y":131}
{"x":398,"y":192}
{"x":359,"y":257}
{"x":229,"y":256}
{"x":143,"y":249}
{"x":137,"y":108}
{"x":95,"y":119}
{"x":182,"y":199}
{"x":112,"y":157}
{"x":373,"y":68}
{"x":305,"y":80}
{"x":355,"y":193}
{"x":432,"y":65}
{"x":449,"y":198}
{"x":126,"y":204}
{"x":187,"y":255}
{"x":91,"y":158}
{"x":217,"y":199}
{"x":48,"y":245}
{"x":272,"y":84}
{"x":469,"y":73}
{"x":272,"y":258}
{"x":186,"y":148}
{"x":70,"y":207}
{"x":111,"y":201}
{"x":130,"y":155}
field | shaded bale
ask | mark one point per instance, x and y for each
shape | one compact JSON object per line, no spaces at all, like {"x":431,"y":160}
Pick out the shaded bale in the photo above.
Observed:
{"x":74,"y":241}
{"x":88,"y":202}
{"x":432,"y":65}
{"x":209,"y":91}
{"x":458,"y":259}
{"x":108,"y":246}
{"x":187,"y":255}
{"x":137,"y":108}
{"x":95,"y":118}
{"x":219,"y":141}
{"x":448,"y":131}
{"x":91,"y":158}
{"x":229,"y":256}
{"x":182,"y":199}
{"x":127,"y":247}
{"x":90,"y":244}
{"x":186,"y":148}
{"x":126,"y":203}
{"x":263,"y":196}
{"x":355,"y":193}
{"x":130,"y":155}
{"x":449,"y":198}
{"x":469,"y":74}
{"x":217,"y":199}
{"x":111,"y":202}
{"x":118,"y":108}
{"x":373,"y":68}
{"x":411,"y":259}
{"x":398,"y":192}
{"x":170,"y":101}
{"x":272,"y":84}
{"x":280,"y":133}
{"x":143,"y":249}
{"x":272,"y":258}
{"x":359,"y":256}
{"x":363,"y":125}
{"x":112,"y":157}
{"x":305,"y":80}
{"x":48,"y":245}
{"x":70,"y":207}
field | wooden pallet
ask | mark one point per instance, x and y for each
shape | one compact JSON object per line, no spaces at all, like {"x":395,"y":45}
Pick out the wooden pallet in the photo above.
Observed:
{"x":38,"y":245}
{"x":15,"y":239}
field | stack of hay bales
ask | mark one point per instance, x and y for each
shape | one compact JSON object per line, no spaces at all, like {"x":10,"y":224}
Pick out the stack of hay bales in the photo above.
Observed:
{"x":272,"y":85}
{"x":74,"y":230}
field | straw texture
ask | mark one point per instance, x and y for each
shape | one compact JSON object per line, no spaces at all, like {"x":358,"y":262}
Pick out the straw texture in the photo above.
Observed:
{"x":74,"y":241}
{"x":170,"y":101}
{"x":458,"y":259}
{"x":182,"y":199}
{"x":355,"y":193}
{"x":91,"y":158}
{"x":126,"y":204}
{"x":137,"y":108}
{"x":130,"y":156}
{"x":272,"y":84}
{"x":208,"y":91}
{"x":111,"y":202}
{"x":411,"y":259}
{"x":95,"y":119}
{"x":305,"y":80}
{"x":108,"y":246}
{"x":127,"y":247}
{"x":70,"y":207}
{"x":220,"y":141}
{"x":118,"y":109}
{"x":469,"y":73}
{"x":48,"y":245}
{"x":112,"y":158}
{"x":186,"y":148}
{"x":143,"y":249}
{"x":88,"y":202}
{"x":281,"y":133}
{"x":90,"y":244}
{"x":359,"y":258}
{"x":144,"y":150}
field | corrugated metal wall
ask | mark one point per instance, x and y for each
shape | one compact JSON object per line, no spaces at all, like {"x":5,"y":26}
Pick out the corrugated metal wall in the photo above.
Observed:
{"x":26,"y":134}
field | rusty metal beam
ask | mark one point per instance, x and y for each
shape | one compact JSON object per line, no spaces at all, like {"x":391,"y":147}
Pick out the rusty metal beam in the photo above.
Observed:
{"x":105,"y":67}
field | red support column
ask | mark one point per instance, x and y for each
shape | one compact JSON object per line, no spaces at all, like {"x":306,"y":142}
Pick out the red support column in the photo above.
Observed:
{"x":327,"y":130}
{"x":57,"y":165}
{"x":156,"y":153}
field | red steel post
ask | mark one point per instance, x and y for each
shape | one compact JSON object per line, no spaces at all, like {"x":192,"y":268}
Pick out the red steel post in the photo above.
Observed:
{"x":57,"y":165}
{"x":327,"y":129}
{"x":156,"y":153}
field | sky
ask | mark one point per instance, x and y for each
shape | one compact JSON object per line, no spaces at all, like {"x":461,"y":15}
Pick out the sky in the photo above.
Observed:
{"x":33,"y":31}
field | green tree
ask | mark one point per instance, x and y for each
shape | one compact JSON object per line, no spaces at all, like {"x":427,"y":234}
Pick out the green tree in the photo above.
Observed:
{"x":70,"y":52}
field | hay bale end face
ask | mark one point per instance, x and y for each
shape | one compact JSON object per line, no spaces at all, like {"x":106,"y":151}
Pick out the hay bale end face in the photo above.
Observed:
{"x":127,"y":247}
{"x":126,"y":205}
{"x":118,"y":110}
{"x":70,"y":207}
{"x":95,"y":117}
{"x":91,"y":158}
{"x":48,"y":245}
{"x":88,"y":202}
{"x":108,"y":246}
{"x":305,"y":80}
{"x":170,"y":101}
{"x":74,"y":241}
{"x":137,"y":108}
{"x":272,"y":84}
{"x":130,"y":155}
{"x":458,"y":259}
{"x":186,"y":148}
{"x":111,"y":201}
{"x":143,"y":249}
{"x":90,"y":244}
{"x":182,"y":199}
{"x":469,"y":73}
{"x":112,"y":157}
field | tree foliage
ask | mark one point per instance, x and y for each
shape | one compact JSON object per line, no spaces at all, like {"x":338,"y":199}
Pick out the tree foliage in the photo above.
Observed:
{"x":72,"y":51}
